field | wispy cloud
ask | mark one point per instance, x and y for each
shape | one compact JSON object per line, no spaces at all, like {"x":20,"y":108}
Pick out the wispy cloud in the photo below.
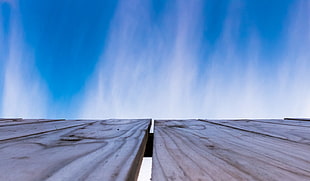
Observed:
{"x":144,"y":73}
{"x":23,"y":94}
{"x":162,"y":66}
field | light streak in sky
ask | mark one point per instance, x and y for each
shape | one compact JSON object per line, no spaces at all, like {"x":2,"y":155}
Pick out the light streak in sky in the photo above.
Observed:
{"x":164,"y":67}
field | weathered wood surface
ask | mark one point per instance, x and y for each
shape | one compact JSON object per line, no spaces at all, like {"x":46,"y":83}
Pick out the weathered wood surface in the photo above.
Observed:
{"x":73,"y":150}
{"x":201,"y":150}
{"x":273,"y":128}
{"x":6,"y":122}
{"x":12,"y":131}
{"x":276,"y":121}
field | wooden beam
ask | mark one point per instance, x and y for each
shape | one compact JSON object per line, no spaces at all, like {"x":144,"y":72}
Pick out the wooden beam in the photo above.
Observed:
{"x":97,"y":150}
{"x":200,"y":150}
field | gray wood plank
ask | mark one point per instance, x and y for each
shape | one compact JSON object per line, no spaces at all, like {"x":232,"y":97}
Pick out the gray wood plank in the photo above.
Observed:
{"x":100,"y":150}
{"x":9,"y":119}
{"x":198,"y":150}
{"x":297,"y":133}
{"x":22,"y":130}
{"x":26,"y":121}
{"x":286,"y":121}
{"x":276,"y":121}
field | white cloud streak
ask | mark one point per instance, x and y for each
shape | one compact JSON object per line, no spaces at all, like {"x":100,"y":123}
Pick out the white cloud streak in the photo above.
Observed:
{"x":23,"y":94}
{"x":153,"y":68}
{"x":154,"y":71}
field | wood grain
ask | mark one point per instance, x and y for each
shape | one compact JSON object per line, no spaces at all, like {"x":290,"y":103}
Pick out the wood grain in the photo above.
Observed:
{"x":287,"y":121}
{"x":200,"y":150}
{"x":13,"y":131}
{"x":26,"y":121}
{"x":275,"y":121}
{"x":273,"y":128}
{"x":93,"y":150}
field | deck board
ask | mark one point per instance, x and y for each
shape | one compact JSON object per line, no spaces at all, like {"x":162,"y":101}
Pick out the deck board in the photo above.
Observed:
{"x":273,"y":128}
{"x":274,"y":121}
{"x":13,"y":131}
{"x":89,"y":150}
{"x":26,"y":121}
{"x":200,"y":150}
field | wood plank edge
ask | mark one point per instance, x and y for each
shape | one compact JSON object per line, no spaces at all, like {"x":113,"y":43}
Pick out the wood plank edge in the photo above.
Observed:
{"x":136,"y":165}
{"x":13,"y":119}
{"x":297,"y":119}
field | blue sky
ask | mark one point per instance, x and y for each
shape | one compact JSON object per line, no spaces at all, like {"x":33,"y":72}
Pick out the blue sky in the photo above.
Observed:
{"x":154,"y":58}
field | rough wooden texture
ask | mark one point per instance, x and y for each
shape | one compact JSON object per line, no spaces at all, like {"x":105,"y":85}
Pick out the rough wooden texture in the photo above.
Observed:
{"x":72,"y":150}
{"x":283,"y":121}
{"x":272,"y":128}
{"x":7,"y":122}
{"x":241,"y":150}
